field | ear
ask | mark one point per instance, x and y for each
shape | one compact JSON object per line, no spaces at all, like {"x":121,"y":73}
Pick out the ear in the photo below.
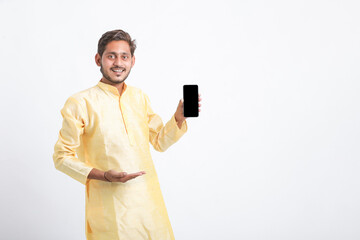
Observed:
{"x":98,"y":59}
{"x":132,"y":61}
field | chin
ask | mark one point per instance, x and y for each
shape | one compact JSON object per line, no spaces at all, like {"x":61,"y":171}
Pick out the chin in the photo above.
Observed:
{"x":117,"y":81}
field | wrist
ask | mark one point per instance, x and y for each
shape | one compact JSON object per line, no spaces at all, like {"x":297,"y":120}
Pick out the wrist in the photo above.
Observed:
{"x":179,"y":119}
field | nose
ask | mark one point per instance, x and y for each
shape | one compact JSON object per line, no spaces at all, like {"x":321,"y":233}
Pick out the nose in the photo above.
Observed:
{"x":118,"y":61}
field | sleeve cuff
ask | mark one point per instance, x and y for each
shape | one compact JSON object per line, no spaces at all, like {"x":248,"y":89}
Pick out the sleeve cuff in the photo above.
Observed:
{"x":183,"y":128}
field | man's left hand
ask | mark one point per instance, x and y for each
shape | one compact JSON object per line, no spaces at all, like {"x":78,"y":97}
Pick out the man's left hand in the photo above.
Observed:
{"x":179,"y":114}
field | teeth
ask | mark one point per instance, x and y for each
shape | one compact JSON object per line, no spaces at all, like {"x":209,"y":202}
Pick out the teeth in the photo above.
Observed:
{"x":118,"y":70}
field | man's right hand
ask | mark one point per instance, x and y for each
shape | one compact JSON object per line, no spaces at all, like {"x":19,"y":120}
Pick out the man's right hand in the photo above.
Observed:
{"x":115,"y":176}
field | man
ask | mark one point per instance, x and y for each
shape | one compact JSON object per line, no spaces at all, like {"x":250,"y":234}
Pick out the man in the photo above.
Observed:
{"x":104,"y":144}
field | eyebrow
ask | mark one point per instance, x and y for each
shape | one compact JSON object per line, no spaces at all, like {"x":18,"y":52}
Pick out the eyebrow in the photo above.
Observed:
{"x":121,"y":53}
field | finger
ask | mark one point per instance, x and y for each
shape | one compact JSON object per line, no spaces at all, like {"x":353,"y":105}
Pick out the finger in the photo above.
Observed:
{"x":181,"y":103}
{"x":139,"y":173}
{"x":119,"y":174}
{"x":131,"y":176}
{"x":199,"y":105}
{"x":125,"y":179}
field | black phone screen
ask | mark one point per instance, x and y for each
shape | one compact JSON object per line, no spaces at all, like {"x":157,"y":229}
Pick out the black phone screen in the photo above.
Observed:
{"x":191,"y":101}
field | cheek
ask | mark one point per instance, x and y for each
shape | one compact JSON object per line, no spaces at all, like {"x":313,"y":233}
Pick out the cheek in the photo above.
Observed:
{"x":105,"y":63}
{"x":129,"y":64}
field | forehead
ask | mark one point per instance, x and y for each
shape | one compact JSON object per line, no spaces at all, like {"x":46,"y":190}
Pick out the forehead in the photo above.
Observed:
{"x":120,"y":46}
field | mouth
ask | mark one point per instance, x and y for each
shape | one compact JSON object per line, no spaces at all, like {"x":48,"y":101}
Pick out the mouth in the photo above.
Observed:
{"x":118,"y":70}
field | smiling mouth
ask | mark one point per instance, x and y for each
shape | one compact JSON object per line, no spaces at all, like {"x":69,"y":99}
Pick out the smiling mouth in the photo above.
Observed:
{"x":118,"y":70}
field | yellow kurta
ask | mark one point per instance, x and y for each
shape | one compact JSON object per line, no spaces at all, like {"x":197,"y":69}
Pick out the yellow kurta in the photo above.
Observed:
{"x":104,"y":130}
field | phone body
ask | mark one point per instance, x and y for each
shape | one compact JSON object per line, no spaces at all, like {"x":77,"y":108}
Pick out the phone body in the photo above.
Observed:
{"x":191,"y":100}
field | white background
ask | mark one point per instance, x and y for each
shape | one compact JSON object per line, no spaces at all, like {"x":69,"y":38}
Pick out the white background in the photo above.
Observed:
{"x":274,"y":153}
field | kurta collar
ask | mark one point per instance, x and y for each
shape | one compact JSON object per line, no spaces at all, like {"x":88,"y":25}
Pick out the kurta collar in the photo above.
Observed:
{"x":112,"y":89}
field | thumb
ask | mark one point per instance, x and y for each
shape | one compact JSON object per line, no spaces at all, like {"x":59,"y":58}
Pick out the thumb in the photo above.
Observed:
{"x":181,"y":102}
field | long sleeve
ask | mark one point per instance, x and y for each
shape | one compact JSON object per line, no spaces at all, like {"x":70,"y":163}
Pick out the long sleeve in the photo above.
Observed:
{"x":160,"y":136}
{"x":64,"y":157}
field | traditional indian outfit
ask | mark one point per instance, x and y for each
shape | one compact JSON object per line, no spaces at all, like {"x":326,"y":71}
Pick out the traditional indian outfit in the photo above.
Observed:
{"x":105,"y":130}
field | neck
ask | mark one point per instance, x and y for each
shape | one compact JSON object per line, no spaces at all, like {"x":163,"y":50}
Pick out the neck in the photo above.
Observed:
{"x":119,"y":86}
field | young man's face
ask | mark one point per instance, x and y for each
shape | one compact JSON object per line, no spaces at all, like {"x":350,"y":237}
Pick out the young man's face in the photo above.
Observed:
{"x":116,"y":61}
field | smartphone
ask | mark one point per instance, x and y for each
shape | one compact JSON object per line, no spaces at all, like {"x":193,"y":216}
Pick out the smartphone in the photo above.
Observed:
{"x":191,"y":100}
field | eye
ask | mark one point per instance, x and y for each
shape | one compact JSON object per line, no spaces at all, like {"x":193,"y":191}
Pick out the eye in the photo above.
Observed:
{"x":111,"y":56}
{"x":125,"y":57}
